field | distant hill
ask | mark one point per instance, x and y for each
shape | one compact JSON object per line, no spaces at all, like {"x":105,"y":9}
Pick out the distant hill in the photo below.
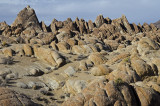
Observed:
{"x":157,"y":24}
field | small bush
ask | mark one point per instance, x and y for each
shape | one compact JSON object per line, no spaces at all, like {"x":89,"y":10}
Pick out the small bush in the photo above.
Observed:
{"x":4,"y":44}
{"x":7,"y":60}
{"x":119,"y":81}
{"x":127,"y":60}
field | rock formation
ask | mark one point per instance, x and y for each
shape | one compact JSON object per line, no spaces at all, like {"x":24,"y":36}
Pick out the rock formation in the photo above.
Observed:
{"x":28,"y":19}
{"x":79,"y":63}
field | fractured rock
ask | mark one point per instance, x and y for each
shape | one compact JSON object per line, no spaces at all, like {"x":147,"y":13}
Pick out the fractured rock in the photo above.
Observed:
{"x":70,"y":71}
{"x":28,"y":19}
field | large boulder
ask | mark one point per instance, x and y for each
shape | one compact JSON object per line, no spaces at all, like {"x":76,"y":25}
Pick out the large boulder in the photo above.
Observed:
{"x":97,"y":58}
{"x":147,"y":96}
{"x":74,"y":86}
{"x":113,"y":45}
{"x":63,"y":46}
{"x":28,"y":50}
{"x":63,"y":36}
{"x":118,"y":57}
{"x":142,"y":68}
{"x":125,"y":72}
{"x":46,"y":37}
{"x":100,"y":70}
{"x":48,"y":55}
{"x":7,"y":51}
{"x":146,"y":44}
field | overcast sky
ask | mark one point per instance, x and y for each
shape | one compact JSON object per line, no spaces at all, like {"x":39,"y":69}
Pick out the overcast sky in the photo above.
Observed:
{"x":135,"y":10}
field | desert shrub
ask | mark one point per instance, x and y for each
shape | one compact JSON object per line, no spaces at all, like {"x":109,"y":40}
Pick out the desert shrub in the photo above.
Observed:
{"x":4,"y":44}
{"x":127,"y":60}
{"x":7,"y":60}
{"x":119,"y":81}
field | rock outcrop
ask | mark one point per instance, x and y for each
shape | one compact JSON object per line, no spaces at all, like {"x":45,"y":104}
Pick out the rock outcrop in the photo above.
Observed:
{"x":28,"y":19}
{"x":102,"y":93}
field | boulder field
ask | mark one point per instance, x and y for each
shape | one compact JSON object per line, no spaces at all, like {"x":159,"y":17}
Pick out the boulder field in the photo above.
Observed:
{"x":108,"y":62}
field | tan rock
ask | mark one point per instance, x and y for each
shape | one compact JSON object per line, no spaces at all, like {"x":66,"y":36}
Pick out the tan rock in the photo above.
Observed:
{"x":74,"y":86}
{"x":146,"y":44}
{"x":46,"y":37}
{"x":44,"y":27}
{"x":82,"y":27}
{"x":28,"y":19}
{"x":96,"y":92}
{"x":147,"y":96}
{"x":156,"y":61}
{"x":81,"y":42}
{"x":90,"y":25}
{"x":59,"y":24}
{"x":7,"y":51}
{"x":50,"y":56}
{"x":28,"y":50}
{"x":53,"y":27}
{"x":99,"y":21}
{"x":118,"y":57}
{"x":146,"y":27}
{"x":83,"y":66}
{"x":153,"y":85}
{"x":126,"y":24}
{"x":3,"y":25}
{"x":136,"y":29}
{"x":142,"y":69}
{"x":112,"y":43}
{"x":63,"y":46}
{"x":154,"y":28}
{"x":63,"y":36}
{"x":72,"y":42}
{"x":125,"y":72}
{"x":54,"y":46}
{"x":97,"y":58}
{"x":77,"y":49}
{"x":88,"y":48}
{"x":100,"y":70}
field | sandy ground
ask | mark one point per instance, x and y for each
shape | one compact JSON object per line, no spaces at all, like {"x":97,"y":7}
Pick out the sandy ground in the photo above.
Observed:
{"x":22,"y":65}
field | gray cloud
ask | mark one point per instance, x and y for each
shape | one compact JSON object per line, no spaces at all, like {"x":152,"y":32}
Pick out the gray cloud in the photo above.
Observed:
{"x":135,"y":10}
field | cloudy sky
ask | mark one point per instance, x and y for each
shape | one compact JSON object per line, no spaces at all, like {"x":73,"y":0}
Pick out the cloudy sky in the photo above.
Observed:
{"x":138,"y":11}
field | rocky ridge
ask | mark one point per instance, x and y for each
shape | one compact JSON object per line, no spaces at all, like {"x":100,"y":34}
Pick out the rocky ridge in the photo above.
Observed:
{"x":106,"y":62}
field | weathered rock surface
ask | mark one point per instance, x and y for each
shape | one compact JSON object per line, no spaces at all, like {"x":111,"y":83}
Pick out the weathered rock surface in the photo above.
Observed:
{"x":12,"y":98}
{"x":97,"y":58}
{"x":110,"y":93}
{"x":74,"y":86}
{"x":50,"y":56}
{"x":100,"y":70}
{"x":28,"y":19}
{"x":28,"y":50}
